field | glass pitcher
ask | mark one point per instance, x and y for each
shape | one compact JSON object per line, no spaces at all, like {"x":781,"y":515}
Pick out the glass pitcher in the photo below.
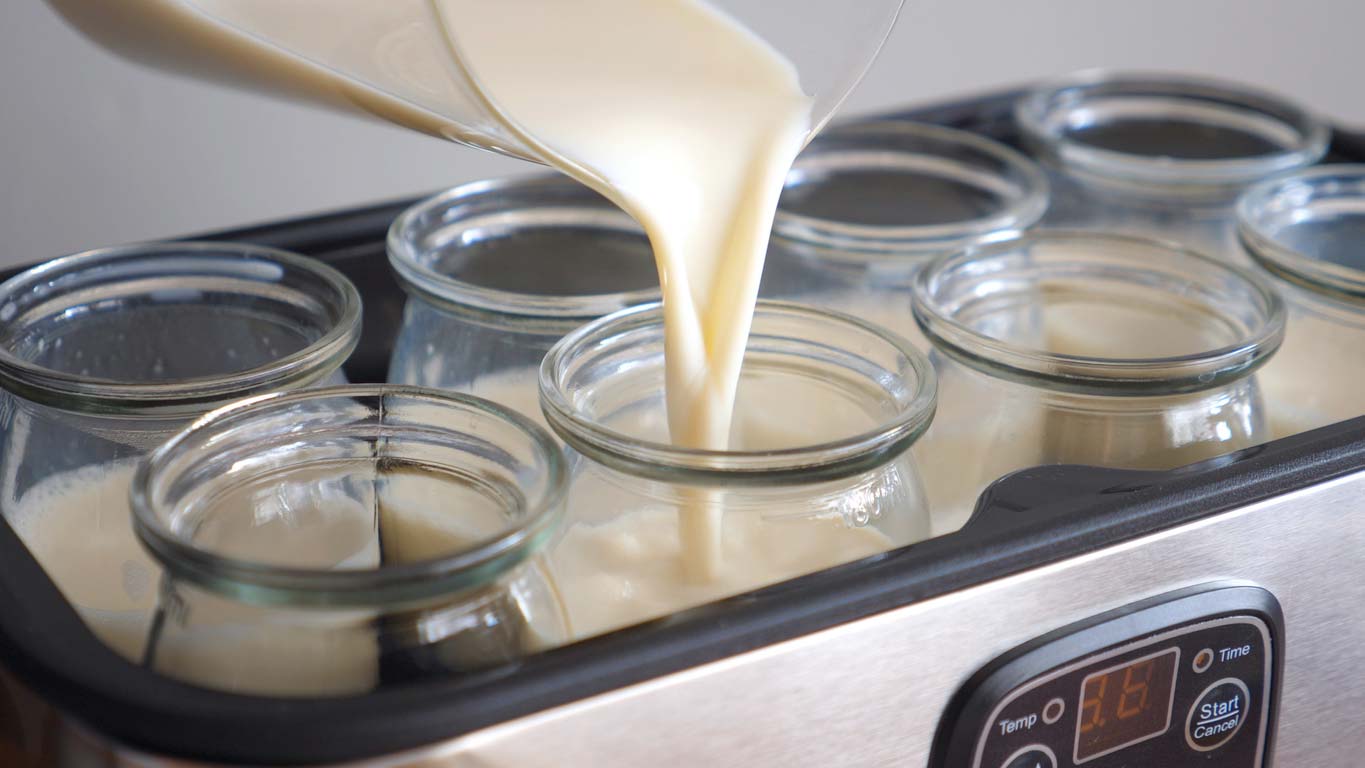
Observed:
{"x":394,"y":58}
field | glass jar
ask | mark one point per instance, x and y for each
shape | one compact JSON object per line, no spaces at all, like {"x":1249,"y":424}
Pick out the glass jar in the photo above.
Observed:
{"x":869,"y":203}
{"x":105,"y":354}
{"x":819,"y":471}
{"x":498,"y":271}
{"x":1080,"y":348}
{"x":1162,"y":155}
{"x":1306,"y":230}
{"x":325,"y":542}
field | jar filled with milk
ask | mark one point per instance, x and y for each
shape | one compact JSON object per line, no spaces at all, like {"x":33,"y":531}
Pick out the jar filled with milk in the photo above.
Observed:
{"x":1162,"y":155}
{"x":498,"y":271}
{"x":104,"y":355}
{"x":1077,"y":348}
{"x":818,"y":471}
{"x":1306,"y":230}
{"x":330,"y":541}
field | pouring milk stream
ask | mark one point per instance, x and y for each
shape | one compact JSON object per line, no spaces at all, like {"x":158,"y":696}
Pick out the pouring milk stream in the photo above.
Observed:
{"x":695,"y":147}
{"x":670,"y":108}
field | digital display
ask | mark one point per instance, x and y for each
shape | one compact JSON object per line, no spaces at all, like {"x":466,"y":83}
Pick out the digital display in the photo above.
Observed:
{"x":1124,"y":705}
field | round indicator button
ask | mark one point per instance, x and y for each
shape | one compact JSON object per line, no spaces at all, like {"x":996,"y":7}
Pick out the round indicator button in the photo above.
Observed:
{"x":1036,"y":756}
{"x":1217,"y":715}
{"x":1203,"y":660}
{"x":1054,"y":711}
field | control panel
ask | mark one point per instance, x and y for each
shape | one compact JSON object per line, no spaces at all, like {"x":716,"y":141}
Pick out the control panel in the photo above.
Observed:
{"x":1188,"y":679}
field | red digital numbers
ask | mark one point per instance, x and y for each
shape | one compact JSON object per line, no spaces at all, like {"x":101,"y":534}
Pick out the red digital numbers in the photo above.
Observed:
{"x":1134,"y":698}
{"x":1092,"y":705}
{"x":1124,"y":705}
{"x":1128,"y":700}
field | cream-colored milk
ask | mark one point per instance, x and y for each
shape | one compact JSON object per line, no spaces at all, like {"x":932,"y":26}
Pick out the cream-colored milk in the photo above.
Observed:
{"x":236,"y":646}
{"x":630,"y":569}
{"x":1314,"y":378}
{"x":78,"y":526}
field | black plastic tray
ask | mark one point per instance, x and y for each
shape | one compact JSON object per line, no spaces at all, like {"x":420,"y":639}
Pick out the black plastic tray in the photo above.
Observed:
{"x":1025,"y":521}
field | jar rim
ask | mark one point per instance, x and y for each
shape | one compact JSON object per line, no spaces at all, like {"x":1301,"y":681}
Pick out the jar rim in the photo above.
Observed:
{"x":1040,"y":114}
{"x":1293,"y":191}
{"x":445,"y":290}
{"x":1087,"y":374}
{"x":407,"y":582}
{"x":191,"y":396}
{"x":812,"y":463}
{"x":1021,"y":211}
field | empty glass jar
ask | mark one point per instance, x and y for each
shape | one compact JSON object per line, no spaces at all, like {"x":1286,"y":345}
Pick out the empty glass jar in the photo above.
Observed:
{"x":868,"y":204}
{"x":498,"y":271}
{"x":1307,"y":230}
{"x":1162,"y":155}
{"x":819,"y":471}
{"x":105,"y":354}
{"x":1079,"y":348}
{"x":330,"y":541}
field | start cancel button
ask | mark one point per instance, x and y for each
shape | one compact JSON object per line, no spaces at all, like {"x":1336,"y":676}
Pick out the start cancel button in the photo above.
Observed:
{"x":1217,"y":714}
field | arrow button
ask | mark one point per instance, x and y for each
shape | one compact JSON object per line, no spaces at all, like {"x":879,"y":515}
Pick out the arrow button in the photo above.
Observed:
{"x":1037,"y":756}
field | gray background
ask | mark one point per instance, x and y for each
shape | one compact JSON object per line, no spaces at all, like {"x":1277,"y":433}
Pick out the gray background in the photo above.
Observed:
{"x":96,"y":151}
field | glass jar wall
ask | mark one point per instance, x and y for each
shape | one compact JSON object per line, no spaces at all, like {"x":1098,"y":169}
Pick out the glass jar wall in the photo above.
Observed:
{"x":330,"y":541}
{"x":1079,"y":348}
{"x":819,"y":472}
{"x":1306,"y":230}
{"x":869,"y":203}
{"x":104,"y":355}
{"x":498,"y":271}
{"x":1162,"y":155}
